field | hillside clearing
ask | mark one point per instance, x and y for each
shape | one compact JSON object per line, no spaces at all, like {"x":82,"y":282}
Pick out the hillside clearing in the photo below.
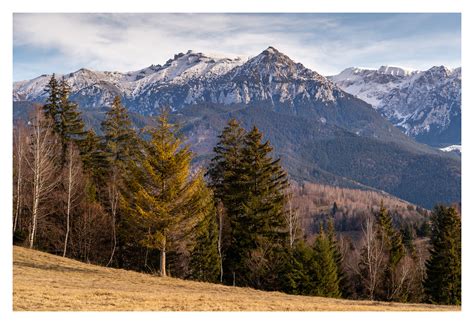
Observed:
{"x":45,"y":282}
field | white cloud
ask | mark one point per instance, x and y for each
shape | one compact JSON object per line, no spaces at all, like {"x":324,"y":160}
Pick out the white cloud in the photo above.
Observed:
{"x":127,"y":42}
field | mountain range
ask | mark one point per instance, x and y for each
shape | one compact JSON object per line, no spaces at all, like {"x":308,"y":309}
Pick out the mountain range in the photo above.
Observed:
{"x":320,"y":130}
{"x":426,"y":105}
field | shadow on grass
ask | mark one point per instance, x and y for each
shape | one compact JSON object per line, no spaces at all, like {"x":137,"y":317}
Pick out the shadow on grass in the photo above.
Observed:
{"x":55,"y":267}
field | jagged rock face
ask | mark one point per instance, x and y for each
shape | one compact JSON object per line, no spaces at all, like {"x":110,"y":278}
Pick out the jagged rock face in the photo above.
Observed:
{"x":425,"y":104}
{"x":321,"y":132}
{"x":194,"y":78}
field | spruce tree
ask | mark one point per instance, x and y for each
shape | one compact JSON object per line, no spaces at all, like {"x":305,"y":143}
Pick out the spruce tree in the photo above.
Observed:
{"x":393,"y":249}
{"x":122,"y":151}
{"x":443,"y":268}
{"x":337,"y":256}
{"x":71,"y":125}
{"x":94,"y":159}
{"x":251,"y":185}
{"x":53,"y":101}
{"x":326,"y":270}
{"x":67,"y":121}
{"x":205,"y":262}
{"x":169,"y":201}
{"x":260,"y":223}
{"x":224,"y":174}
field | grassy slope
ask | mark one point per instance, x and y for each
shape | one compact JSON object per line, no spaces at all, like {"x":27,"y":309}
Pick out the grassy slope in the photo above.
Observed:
{"x":43,"y":281}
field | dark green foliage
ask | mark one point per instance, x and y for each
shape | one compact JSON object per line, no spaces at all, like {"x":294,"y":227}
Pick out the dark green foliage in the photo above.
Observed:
{"x":123,"y":152}
{"x":205,"y":261}
{"x":250,"y":184}
{"x":53,"y":102}
{"x":293,"y":275}
{"x":67,"y":121}
{"x":94,"y":159}
{"x":120,"y":138}
{"x":393,"y":249}
{"x":71,"y":125}
{"x":337,"y":256}
{"x":326,"y":270}
{"x":443,"y":268}
{"x":390,"y":237}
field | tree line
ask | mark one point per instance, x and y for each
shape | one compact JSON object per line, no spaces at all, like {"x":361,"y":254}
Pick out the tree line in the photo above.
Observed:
{"x":131,"y":198}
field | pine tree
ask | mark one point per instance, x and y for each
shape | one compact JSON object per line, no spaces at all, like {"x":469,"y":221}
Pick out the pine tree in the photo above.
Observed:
{"x":94,"y":159}
{"x":260,"y":223}
{"x":71,"y":125}
{"x":443,"y":268}
{"x":251,"y":186}
{"x":293,"y":274}
{"x":67,"y":121}
{"x":169,"y":202}
{"x":205,"y":261}
{"x":122,"y":150}
{"x":338,"y":259}
{"x":224,"y":175}
{"x":326,"y":270}
{"x":393,"y":249}
{"x":53,"y":102}
{"x":223,"y":169}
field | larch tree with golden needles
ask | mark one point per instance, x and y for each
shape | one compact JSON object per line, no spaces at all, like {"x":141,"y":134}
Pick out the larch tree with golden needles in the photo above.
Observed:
{"x":169,"y":201}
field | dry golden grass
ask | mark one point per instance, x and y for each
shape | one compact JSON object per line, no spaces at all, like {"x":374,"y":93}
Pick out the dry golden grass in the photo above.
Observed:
{"x":46,"y":282}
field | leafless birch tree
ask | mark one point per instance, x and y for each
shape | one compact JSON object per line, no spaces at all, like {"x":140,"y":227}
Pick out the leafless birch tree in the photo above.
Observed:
{"x":19,"y":153}
{"x":72,"y":184}
{"x":41,"y":161}
{"x":293,"y":221}
{"x":371,"y":262}
{"x":113,"y":196}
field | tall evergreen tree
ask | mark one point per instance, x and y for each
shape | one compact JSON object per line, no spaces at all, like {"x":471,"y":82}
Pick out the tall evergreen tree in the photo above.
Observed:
{"x":443,"y":268}
{"x":205,"y":260}
{"x":337,"y":256}
{"x":94,"y":159}
{"x":326,"y":270}
{"x":67,"y":121}
{"x":224,"y":175}
{"x":260,"y":222}
{"x":53,"y":102}
{"x":71,"y":125}
{"x":393,"y":249}
{"x":170,"y":201}
{"x":122,"y":150}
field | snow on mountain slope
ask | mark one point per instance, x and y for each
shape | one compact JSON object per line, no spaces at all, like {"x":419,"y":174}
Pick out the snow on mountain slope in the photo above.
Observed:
{"x":372,"y":85}
{"x":451,"y":148}
{"x":425,"y":104}
{"x":178,"y":70}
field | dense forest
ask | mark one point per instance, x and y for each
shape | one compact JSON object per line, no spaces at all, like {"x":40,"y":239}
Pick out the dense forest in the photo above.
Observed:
{"x":131,"y":198}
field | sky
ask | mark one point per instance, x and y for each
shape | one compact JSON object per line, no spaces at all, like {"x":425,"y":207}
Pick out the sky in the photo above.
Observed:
{"x":326,"y":43}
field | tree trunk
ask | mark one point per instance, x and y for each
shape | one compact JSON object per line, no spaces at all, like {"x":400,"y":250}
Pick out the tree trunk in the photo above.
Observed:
{"x":36,"y":189}
{"x":19,"y":180}
{"x":69,"y":192}
{"x":163,"y":258}
{"x":34,"y":217}
{"x":219,"y":242}
{"x":114,"y":236}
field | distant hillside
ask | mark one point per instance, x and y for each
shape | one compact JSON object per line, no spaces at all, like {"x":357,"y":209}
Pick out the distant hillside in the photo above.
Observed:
{"x":322,"y":133}
{"x":46,"y":282}
{"x":426,"y":105}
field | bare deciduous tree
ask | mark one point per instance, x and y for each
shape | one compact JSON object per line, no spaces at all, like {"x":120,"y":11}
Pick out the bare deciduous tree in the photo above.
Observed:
{"x":220,"y":214}
{"x":41,"y":161}
{"x":372,"y":257}
{"x":293,"y":221}
{"x":19,"y":152}
{"x":72,"y":184}
{"x":113,"y":196}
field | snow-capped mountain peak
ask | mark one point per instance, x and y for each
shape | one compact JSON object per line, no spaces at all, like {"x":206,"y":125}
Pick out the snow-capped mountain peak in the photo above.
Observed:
{"x":397,"y":71}
{"x":422,"y":103}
